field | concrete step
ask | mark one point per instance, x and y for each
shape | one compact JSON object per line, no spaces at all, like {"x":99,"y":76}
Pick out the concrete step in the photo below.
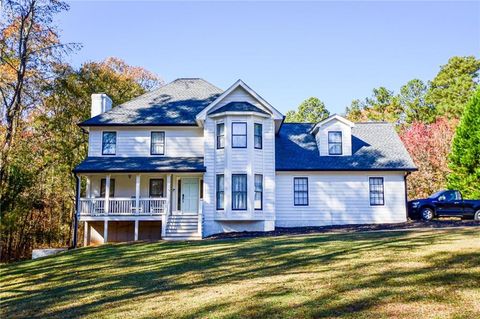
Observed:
{"x":182,"y":237}
{"x":181,"y":231}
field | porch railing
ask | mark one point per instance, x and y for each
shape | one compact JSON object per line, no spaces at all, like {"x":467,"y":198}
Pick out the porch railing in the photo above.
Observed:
{"x":122,"y":206}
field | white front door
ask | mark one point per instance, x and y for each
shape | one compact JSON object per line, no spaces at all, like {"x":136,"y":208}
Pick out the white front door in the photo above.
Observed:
{"x":189,"y":196}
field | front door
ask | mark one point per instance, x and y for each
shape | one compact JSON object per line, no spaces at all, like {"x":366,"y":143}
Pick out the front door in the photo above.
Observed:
{"x":189,"y":195}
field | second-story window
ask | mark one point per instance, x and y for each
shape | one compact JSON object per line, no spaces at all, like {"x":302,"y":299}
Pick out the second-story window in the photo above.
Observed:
{"x":220,"y":135}
{"x":335,"y":143}
{"x":109,"y":143}
{"x":258,"y":135}
{"x":239,"y":135}
{"x":157,"y":143}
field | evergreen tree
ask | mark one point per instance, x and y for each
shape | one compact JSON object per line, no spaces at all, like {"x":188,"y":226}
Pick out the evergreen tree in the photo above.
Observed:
{"x":464,"y":160}
{"x":312,"y":110}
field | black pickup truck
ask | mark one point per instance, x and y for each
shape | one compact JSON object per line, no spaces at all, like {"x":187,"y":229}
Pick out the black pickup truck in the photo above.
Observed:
{"x":444,"y":203}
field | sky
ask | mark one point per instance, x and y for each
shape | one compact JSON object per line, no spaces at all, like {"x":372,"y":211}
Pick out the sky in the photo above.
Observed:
{"x":286,"y":51}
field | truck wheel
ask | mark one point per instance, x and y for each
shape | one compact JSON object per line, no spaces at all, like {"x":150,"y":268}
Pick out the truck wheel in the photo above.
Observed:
{"x":476,"y":217}
{"x":427,"y":214}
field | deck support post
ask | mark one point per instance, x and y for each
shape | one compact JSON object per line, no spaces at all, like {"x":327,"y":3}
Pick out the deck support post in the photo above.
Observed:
{"x":105,"y":231}
{"x":137,"y":194}
{"x":85,"y":234}
{"x":136,"y":230}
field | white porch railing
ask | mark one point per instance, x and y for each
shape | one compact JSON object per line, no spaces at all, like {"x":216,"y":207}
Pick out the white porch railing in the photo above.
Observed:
{"x":122,"y":206}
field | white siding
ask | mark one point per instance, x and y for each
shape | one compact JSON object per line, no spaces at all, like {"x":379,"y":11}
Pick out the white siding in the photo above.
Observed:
{"x":179,"y":141}
{"x":125,"y":185}
{"x":239,"y":95}
{"x":334,"y":125}
{"x":339,"y":198}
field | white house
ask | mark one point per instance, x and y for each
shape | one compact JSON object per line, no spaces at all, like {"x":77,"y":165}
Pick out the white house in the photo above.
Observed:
{"x":189,"y":160}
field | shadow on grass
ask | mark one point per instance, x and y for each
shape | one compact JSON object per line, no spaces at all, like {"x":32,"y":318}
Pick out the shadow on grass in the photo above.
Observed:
{"x":121,"y":272}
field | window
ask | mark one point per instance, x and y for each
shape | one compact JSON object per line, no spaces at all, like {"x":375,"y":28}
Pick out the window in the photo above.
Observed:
{"x":239,"y":135}
{"x":220,"y":135}
{"x":103,"y":187}
{"x":334,"y":143}
{"x":239,"y":191}
{"x":156,"y":187}
{"x":450,"y":196}
{"x":157,"y":143}
{"x":376,"y":191}
{"x":201,"y":189}
{"x":258,"y":136}
{"x":109,"y":143}
{"x":220,"y":191}
{"x":300,"y":191}
{"x":179,"y":196}
{"x":258,"y":191}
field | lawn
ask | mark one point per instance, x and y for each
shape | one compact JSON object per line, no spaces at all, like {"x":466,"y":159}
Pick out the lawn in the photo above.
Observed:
{"x":429,"y":274}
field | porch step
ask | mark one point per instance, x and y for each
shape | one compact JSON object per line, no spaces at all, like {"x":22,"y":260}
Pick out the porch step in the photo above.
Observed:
{"x":182,"y":227}
{"x":173,"y":237}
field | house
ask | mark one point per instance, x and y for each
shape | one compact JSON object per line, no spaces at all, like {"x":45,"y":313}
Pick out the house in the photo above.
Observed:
{"x":189,"y":160}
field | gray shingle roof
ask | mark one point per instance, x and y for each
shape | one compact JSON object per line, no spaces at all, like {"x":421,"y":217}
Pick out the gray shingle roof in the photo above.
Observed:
{"x":176,"y":103}
{"x":375,"y":146}
{"x":238,"y":107}
{"x":140,"y":164}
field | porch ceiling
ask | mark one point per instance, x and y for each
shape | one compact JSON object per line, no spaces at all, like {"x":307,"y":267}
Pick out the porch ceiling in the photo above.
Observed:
{"x":140,"y":164}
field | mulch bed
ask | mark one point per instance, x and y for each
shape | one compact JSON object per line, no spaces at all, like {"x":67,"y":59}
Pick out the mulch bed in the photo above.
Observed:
{"x":411,"y":224}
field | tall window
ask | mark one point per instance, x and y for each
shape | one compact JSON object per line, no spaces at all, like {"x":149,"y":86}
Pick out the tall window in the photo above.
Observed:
{"x":220,"y":191}
{"x":109,"y":143}
{"x":258,"y":191}
{"x":300,"y":191}
{"x":220,"y":135}
{"x":156,"y":187}
{"x":157,"y":143}
{"x":258,"y":135}
{"x":335,"y":143}
{"x":239,"y":191}
{"x":239,"y":135}
{"x":377,"y":196}
{"x":103,"y":187}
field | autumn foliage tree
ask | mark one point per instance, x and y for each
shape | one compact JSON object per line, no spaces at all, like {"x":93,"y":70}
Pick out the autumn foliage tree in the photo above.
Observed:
{"x":429,"y":146}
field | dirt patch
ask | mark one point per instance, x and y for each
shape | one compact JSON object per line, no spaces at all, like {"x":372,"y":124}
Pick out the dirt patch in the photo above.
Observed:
{"x":411,"y":224}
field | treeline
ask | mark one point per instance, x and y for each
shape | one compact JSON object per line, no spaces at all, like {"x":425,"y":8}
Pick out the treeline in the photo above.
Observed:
{"x":427,"y":117}
{"x":43,"y":98}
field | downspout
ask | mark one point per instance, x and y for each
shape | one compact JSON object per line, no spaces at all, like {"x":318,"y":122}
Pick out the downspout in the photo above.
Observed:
{"x":75,"y":216}
{"x":406,"y":193}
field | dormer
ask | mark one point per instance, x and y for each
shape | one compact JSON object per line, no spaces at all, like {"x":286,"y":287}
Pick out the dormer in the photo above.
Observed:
{"x":334,"y":136}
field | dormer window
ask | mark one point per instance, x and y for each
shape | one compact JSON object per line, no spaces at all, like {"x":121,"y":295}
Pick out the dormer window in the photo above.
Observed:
{"x":335,"y":143}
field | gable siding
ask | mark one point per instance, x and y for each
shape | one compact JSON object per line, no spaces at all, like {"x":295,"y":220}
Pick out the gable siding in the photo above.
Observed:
{"x":135,"y":142}
{"x":239,"y":95}
{"x":322,"y":137}
{"x":339,"y":198}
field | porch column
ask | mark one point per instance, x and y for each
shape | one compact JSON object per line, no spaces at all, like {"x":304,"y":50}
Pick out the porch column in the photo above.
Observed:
{"x":137,"y":194}
{"x":107,"y":194}
{"x":105,"y":231}
{"x":136,"y":230}
{"x":88,"y":192}
{"x":169,"y":194}
{"x":85,"y":234}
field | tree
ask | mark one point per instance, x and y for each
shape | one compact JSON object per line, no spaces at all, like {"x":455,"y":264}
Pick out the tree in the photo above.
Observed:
{"x":312,"y":110}
{"x":29,"y":49}
{"x":412,"y":98}
{"x":453,"y":86}
{"x":429,"y":146}
{"x":464,"y":160}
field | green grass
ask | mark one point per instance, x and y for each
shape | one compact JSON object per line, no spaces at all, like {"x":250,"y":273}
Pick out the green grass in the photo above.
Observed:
{"x":430,"y":274}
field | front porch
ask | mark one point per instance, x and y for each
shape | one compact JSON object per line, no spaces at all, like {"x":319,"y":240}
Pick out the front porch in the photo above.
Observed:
{"x":143,"y":206}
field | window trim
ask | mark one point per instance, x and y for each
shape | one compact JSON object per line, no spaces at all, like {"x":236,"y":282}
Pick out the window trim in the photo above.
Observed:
{"x":164,"y":142}
{"x":255,"y":192}
{"x":370,"y":190}
{"x":246,"y":134}
{"x":218,"y":191}
{"x":307,"y":191}
{"x":150,"y":187}
{"x":103,"y":143}
{"x":335,"y":143}
{"x":255,"y":136}
{"x":246,"y":193}
{"x":217,"y":136}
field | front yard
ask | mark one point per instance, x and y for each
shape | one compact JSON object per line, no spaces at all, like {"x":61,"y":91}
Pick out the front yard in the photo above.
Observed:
{"x":428,"y":274}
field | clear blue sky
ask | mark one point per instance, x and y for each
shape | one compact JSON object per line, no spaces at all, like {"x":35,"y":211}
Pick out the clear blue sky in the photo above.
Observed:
{"x":285,"y":51}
